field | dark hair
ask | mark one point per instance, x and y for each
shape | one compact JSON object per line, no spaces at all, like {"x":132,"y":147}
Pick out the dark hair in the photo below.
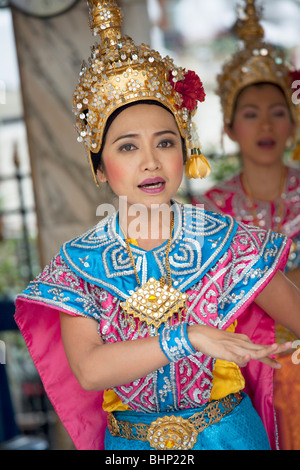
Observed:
{"x":97,"y":157}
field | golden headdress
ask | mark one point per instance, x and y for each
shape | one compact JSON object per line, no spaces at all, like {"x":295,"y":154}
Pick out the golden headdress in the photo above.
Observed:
{"x":257,"y":61}
{"x":119,"y":72}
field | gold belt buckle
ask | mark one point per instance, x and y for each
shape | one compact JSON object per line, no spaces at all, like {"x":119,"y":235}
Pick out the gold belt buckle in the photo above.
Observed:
{"x":172,"y":432}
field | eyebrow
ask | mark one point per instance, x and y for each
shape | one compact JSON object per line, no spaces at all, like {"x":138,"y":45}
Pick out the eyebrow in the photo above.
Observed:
{"x":157,"y":134}
{"x":250,"y":105}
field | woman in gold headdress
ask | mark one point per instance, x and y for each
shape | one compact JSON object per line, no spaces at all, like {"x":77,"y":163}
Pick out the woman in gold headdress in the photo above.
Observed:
{"x":133,"y":323}
{"x":262,"y":116}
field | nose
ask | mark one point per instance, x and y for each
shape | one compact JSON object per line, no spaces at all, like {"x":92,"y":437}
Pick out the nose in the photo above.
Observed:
{"x":266,"y":122}
{"x":150,"y":160}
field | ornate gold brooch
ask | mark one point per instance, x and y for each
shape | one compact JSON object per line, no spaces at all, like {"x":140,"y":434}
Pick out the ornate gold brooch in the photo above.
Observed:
{"x":153,"y":303}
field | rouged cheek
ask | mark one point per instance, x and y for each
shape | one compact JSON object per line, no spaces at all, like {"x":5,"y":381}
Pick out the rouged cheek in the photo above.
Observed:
{"x":114,"y":171}
{"x":287,"y":132}
{"x":177,"y":171}
{"x":244,"y":133}
{"x":177,"y":162}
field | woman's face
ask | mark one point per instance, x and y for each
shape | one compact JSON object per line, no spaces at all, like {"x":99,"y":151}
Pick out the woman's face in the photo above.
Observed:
{"x":262,"y":124}
{"x":142,"y":155}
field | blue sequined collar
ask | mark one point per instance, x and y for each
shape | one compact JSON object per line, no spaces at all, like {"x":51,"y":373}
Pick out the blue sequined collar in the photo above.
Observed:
{"x":199,"y":240}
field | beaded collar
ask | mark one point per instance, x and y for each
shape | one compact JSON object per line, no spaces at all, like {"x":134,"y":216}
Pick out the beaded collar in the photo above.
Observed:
{"x":199,"y":240}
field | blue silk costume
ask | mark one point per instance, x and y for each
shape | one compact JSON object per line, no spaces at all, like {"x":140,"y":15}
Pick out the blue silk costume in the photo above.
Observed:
{"x":220,"y":264}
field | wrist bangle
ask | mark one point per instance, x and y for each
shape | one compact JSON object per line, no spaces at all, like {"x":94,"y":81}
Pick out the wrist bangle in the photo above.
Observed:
{"x":175,"y":343}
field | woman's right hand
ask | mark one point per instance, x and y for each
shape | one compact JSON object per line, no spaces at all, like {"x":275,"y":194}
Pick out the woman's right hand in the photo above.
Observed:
{"x":233,"y":347}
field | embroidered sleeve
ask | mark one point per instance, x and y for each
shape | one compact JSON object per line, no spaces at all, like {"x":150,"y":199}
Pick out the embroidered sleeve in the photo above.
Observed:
{"x":58,"y":286}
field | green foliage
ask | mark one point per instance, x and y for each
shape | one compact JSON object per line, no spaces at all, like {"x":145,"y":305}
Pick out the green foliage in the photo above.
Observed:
{"x":224,"y":166}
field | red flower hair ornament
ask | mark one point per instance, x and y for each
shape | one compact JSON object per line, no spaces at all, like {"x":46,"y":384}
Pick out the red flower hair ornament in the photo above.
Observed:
{"x":191,"y":91}
{"x":190,"y":88}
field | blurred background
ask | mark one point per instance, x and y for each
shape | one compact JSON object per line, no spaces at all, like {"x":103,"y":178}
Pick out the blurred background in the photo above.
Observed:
{"x":47,"y":194}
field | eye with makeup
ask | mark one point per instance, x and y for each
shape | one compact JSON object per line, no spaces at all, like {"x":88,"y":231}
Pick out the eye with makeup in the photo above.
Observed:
{"x":249,"y":114}
{"x":166,"y":143}
{"x":280,"y":111}
{"x":127,"y":147}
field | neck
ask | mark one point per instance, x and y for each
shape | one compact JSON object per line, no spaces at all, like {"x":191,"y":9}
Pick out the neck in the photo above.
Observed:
{"x":265,"y":183}
{"x":150,"y":227}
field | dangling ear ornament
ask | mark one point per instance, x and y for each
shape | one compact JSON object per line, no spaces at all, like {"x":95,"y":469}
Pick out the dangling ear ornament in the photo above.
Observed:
{"x":197,"y":166}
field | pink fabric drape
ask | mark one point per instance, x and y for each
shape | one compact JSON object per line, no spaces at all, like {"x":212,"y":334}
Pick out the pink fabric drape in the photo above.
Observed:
{"x":40,"y":327}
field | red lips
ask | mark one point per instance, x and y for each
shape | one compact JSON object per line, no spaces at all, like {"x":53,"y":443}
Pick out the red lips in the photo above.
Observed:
{"x":266,"y":143}
{"x":150,"y":181}
{"x":152,"y":185}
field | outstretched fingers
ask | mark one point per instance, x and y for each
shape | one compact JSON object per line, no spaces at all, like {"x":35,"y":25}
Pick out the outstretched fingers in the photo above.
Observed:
{"x":233,"y":347}
{"x":262,"y":353}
